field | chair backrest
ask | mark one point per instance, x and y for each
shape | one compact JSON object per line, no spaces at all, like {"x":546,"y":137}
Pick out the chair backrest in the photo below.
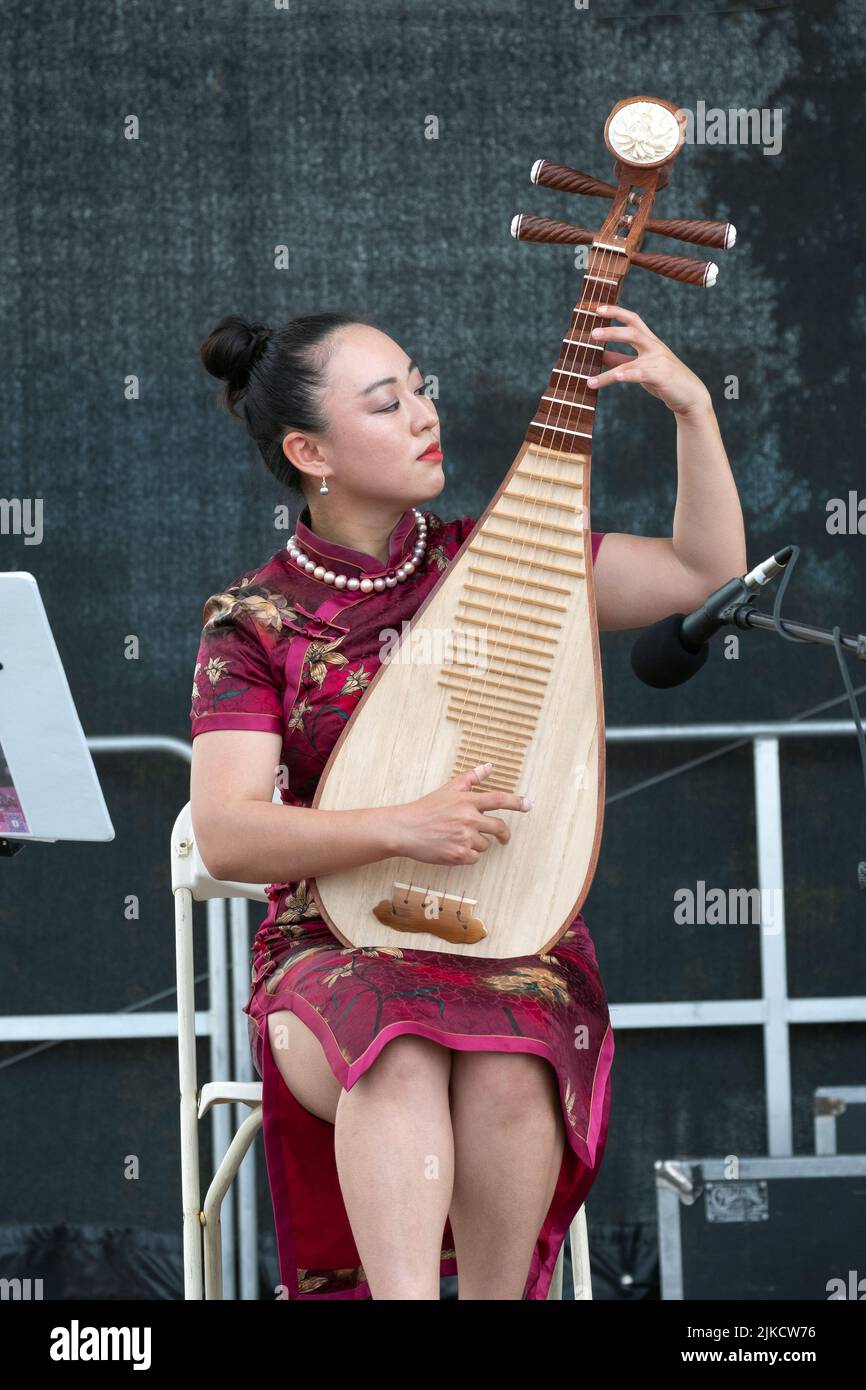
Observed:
{"x":188,"y":869}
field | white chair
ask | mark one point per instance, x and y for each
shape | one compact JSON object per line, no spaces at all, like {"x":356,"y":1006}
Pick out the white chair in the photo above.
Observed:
{"x":577,"y":1235}
{"x":202,"y":1234}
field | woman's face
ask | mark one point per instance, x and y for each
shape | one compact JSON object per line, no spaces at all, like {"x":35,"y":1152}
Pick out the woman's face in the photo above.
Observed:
{"x":380,"y":421}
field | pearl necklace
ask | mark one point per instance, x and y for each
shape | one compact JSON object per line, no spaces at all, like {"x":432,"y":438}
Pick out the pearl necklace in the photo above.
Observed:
{"x":386,"y":580}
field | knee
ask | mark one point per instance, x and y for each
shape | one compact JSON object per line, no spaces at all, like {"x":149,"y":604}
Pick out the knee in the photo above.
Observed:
{"x":409,"y":1061}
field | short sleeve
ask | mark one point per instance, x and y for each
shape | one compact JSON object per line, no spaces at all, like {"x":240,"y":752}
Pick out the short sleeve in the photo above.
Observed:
{"x":234,"y":686}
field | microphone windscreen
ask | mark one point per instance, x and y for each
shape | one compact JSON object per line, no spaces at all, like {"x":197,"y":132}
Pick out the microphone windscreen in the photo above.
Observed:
{"x":659,"y":659}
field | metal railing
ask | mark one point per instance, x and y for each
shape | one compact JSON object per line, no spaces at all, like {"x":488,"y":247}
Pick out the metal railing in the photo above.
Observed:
{"x":225,"y":1023}
{"x":775,"y":1010}
{"x":222,"y":1022}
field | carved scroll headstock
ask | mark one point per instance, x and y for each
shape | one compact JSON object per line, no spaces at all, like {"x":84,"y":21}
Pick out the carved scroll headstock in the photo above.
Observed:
{"x":644,"y":134}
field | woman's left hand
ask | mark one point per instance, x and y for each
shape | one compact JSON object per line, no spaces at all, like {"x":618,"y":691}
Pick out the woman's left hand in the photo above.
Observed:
{"x":655,"y":367}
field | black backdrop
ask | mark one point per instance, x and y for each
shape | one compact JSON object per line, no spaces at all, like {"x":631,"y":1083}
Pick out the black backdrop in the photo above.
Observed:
{"x":307,"y":128}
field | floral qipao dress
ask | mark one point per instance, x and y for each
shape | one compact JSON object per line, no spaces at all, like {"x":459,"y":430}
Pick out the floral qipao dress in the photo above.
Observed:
{"x":285,"y":652}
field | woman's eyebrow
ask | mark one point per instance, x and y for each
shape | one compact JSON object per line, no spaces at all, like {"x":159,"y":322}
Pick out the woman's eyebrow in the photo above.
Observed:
{"x":389,"y":380}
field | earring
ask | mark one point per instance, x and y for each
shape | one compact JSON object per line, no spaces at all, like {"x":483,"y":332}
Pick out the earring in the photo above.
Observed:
{"x":324,"y":487}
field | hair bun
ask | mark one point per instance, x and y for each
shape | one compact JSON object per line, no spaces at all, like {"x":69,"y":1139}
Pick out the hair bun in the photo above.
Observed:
{"x":231,"y":350}
{"x":260,"y":336}
{"x":277,"y":376}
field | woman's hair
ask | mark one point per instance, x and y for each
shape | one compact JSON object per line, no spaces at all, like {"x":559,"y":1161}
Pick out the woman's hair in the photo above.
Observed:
{"x":277,"y":375}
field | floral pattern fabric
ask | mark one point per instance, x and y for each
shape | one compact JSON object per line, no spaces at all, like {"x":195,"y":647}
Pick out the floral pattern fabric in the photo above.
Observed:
{"x":282,"y":652}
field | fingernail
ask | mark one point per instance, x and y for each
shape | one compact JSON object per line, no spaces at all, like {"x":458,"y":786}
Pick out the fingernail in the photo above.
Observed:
{"x":527,"y":804}
{"x":484,"y":767}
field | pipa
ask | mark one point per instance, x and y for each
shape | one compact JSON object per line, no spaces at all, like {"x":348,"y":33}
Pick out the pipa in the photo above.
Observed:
{"x":517,"y":678}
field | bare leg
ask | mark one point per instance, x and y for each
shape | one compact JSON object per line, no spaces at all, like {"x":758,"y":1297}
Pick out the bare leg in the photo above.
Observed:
{"x":395,"y":1160}
{"x":509,"y":1135}
{"x":303,"y":1065}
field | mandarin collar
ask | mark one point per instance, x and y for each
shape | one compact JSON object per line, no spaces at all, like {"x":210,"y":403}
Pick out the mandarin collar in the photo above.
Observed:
{"x":400,"y":545}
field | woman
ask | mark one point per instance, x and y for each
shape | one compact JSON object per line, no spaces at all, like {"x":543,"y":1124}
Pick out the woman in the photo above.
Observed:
{"x":423,"y":1114}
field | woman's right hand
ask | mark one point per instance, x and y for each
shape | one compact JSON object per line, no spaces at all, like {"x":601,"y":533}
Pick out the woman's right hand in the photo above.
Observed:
{"x":450,"y":825}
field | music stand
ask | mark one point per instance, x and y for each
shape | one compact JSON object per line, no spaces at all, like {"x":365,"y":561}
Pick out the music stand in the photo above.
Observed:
{"x":49,"y":789}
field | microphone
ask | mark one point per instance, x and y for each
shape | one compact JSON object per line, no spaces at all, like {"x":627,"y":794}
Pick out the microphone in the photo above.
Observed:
{"x":674,"y":649}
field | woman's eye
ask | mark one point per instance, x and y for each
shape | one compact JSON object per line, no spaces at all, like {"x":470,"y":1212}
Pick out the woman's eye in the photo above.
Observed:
{"x":420,"y":392}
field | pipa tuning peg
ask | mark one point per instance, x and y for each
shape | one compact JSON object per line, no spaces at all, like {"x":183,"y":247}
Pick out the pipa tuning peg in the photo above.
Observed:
{"x":722,"y":235}
{"x":525,"y":227}
{"x":700,"y":273}
{"x":548,"y":175}
{"x":703,"y":233}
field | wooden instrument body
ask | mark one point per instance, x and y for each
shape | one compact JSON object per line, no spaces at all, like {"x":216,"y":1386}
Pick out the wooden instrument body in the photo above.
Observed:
{"x":412,"y":731}
{"x":523,"y":582}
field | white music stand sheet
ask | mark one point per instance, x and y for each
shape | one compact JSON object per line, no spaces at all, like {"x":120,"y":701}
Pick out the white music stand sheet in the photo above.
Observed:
{"x":49,"y":789}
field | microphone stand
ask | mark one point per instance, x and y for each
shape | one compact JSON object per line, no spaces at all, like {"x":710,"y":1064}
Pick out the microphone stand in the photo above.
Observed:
{"x":740,"y":612}
{"x":733,"y":603}
{"x":684,"y":639}
{"x":745,"y":616}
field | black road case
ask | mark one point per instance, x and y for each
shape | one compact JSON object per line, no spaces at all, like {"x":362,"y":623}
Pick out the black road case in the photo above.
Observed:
{"x":762,"y":1228}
